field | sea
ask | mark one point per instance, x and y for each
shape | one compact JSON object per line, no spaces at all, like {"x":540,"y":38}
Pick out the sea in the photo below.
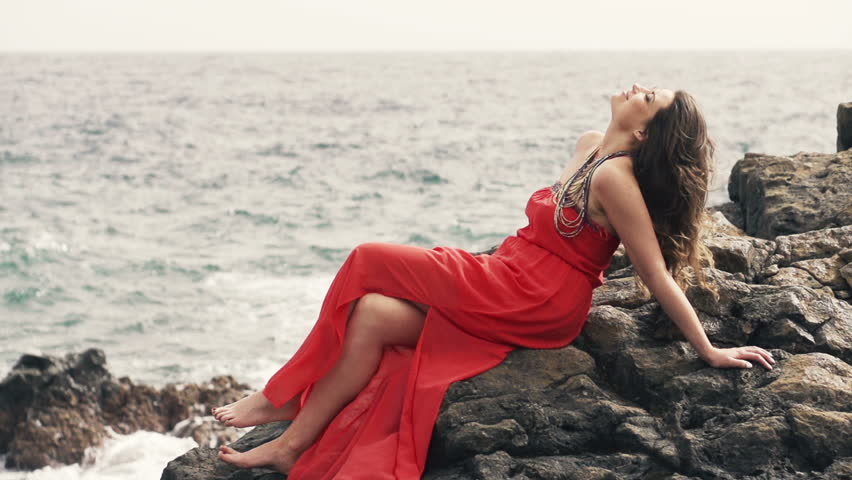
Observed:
{"x":187,"y":212}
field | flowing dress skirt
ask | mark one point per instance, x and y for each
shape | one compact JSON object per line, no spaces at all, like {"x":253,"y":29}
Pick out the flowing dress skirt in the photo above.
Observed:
{"x":481,"y":308}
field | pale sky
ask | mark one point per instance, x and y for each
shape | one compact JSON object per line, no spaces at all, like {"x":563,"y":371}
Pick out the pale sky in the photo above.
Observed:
{"x":266,"y":25}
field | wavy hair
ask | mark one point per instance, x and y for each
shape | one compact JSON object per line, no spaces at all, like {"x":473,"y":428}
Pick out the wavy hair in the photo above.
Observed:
{"x":674,"y":167}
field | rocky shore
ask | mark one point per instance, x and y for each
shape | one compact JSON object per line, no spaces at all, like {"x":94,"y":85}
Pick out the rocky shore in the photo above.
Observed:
{"x":52,"y":409}
{"x":629,"y":399}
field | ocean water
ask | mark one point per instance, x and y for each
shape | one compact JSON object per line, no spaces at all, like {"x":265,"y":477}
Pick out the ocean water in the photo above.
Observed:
{"x":181,"y":210}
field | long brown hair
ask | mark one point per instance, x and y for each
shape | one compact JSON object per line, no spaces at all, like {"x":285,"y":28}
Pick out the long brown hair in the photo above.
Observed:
{"x":674,"y":167}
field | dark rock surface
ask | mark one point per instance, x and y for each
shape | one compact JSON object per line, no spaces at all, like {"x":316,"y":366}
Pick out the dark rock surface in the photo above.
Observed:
{"x":630,"y":399}
{"x":783,"y":195}
{"x":52,"y":409}
{"x":844,"y":126}
{"x":203,"y":463}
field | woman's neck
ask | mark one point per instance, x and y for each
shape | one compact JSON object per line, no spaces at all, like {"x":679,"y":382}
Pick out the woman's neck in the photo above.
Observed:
{"x":614,"y":141}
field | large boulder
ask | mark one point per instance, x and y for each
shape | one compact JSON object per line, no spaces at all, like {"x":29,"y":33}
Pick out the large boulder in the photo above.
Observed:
{"x":52,"y":409}
{"x":782,"y":195}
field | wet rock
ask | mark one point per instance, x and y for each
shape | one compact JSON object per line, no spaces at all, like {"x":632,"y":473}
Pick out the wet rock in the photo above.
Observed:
{"x":203,"y":462}
{"x":206,"y":431}
{"x":52,"y":409}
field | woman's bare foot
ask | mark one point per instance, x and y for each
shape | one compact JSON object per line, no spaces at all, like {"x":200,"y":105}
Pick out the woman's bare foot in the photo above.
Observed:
{"x":275,"y":454}
{"x":253,"y":410}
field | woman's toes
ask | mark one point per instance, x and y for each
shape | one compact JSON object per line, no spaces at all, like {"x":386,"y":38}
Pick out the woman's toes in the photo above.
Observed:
{"x":228,"y":450}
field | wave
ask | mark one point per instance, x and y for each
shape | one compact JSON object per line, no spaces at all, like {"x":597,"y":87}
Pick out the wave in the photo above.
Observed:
{"x":140,"y":455}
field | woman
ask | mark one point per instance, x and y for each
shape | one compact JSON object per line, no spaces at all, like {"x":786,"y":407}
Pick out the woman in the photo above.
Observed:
{"x":401,"y":323}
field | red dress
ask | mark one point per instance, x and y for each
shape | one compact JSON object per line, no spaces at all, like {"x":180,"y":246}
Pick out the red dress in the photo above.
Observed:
{"x":534,"y":291}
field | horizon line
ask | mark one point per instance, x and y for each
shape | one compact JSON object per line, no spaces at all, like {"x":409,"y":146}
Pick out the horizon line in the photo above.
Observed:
{"x":439,"y":50}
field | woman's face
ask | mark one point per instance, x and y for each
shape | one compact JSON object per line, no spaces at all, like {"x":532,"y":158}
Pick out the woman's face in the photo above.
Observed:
{"x":633,"y":109}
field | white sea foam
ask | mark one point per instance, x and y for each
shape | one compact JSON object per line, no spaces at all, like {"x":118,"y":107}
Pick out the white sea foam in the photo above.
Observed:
{"x":140,"y":455}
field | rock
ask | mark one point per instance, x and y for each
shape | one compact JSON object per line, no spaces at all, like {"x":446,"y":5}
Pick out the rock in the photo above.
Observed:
{"x":497,"y":465}
{"x":826,"y":271}
{"x":793,"y":276}
{"x":203,"y":463}
{"x":739,"y":253}
{"x":749,"y":447}
{"x":844,"y":126}
{"x":206,"y":431}
{"x":608,"y":330}
{"x":728,"y":213}
{"x":811,"y":245}
{"x":52,"y":409}
{"x":618,"y":292}
{"x":815,"y":379}
{"x":846,"y":273}
{"x":784,"y":195}
{"x":839,"y":469}
{"x":721,"y":222}
{"x":822,"y":435}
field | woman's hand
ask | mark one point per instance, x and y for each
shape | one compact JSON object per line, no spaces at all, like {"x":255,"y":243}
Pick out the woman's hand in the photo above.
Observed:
{"x":738,"y":357}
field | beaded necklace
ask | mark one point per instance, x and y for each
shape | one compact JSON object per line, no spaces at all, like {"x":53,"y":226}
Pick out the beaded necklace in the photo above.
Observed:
{"x":563,"y":200}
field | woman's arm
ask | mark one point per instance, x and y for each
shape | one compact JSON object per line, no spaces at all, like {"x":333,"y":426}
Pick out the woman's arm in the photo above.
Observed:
{"x":677,"y":307}
{"x":619,"y":195}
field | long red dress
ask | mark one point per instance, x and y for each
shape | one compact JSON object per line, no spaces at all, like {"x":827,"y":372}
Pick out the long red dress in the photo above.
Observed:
{"x":534,"y":291}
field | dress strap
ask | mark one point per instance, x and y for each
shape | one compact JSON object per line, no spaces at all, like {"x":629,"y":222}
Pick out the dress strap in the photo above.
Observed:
{"x":566,"y":201}
{"x":587,"y":182}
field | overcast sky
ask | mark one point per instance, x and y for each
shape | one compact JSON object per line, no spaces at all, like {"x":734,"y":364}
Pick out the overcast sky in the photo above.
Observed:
{"x":228,"y":25}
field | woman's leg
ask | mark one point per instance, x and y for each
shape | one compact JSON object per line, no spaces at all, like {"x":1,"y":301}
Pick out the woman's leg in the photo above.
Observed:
{"x":255,"y":409}
{"x":375,"y":321}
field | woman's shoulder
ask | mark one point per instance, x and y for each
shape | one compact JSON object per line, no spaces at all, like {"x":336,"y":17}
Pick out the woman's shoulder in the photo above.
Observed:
{"x":588,"y":140}
{"x":617,"y":169}
{"x":614,"y":177}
